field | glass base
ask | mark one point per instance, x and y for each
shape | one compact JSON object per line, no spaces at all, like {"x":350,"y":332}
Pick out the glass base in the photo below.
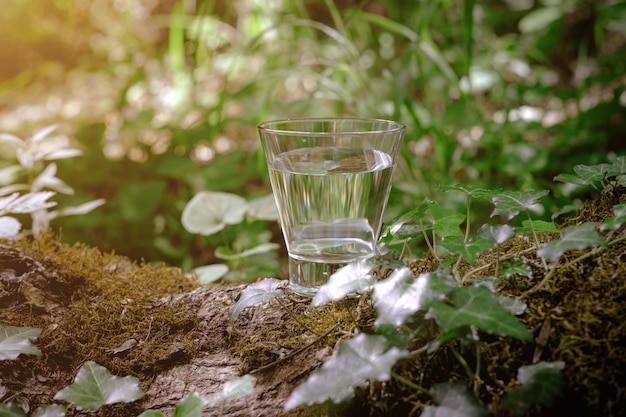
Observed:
{"x":306,"y":277}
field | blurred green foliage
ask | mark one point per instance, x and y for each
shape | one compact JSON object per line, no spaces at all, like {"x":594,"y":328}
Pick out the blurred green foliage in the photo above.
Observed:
{"x":163,"y":98}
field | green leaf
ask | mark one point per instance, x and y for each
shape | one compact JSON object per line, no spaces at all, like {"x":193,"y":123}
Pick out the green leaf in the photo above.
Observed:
{"x":50,"y":410}
{"x":260,"y":292}
{"x":190,"y":406}
{"x":94,"y":386}
{"x":17,"y":340}
{"x":429,"y":216}
{"x":614,"y":223}
{"x":498,"y":234}
{"x":233,"y":389}
{"x":354,"y":278}
{"x":11,"y":410}
{"x":355,"y":361}
{"x":477,"y":306}
{"x":572,"y":237}
{"x":454,"y":400}
{"x":208,"y":212}
{"x":537,"y":226}
{"x":210,"y":273}
{"x":469,"y":250}
{"x":542,"y":383}
{"x":399,"y":296}
{"x":476,"y":193}
{"x":445,"y":222}
{"x":593,"y":175}
{"x":517,"y":267}
{"x":510,"y":203}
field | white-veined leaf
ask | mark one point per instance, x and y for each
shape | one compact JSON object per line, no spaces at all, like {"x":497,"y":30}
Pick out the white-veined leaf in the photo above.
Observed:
{"x":356,"y":361}
{"x":208,"y":212}
{"x":15,"y":341}
{"x":399,"y":296}
{"x":260,"y":292}
{"x":233,"y":389}
{"x":94,"y":386}
{"x":511,"y":203}
{"x":572,"y":237}
{"x":453,"y":399}
{"x":354,"y":278}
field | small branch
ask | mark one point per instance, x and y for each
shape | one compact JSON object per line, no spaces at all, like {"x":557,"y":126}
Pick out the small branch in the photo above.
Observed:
{"x":295,"y":352}
{"x":411,"y":384}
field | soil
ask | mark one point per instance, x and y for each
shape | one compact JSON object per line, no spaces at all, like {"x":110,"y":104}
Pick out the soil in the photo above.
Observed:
{"x":154,"y":322}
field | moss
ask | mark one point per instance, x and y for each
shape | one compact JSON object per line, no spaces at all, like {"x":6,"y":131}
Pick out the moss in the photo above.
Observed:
{"x":113,"y":312}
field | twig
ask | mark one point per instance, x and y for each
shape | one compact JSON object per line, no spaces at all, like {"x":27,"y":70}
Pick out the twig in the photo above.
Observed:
{"x":295,"y":352}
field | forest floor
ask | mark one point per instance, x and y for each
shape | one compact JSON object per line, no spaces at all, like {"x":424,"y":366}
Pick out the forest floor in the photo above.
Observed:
{"x":154,"y":322}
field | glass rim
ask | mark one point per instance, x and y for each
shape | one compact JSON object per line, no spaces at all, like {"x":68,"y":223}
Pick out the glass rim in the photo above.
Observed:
{"x":267,"y":126}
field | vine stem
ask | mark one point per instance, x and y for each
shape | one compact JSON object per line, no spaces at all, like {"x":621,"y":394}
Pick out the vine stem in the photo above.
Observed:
{"x":294,"y":353}
{"x":409,"y":383}
{"x":293,"y":316}
{"x":584,"y":256}
{"x":503,"y":258}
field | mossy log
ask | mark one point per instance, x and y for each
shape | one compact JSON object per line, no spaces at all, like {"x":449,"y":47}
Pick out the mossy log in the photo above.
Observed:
{"x":156,"y":323}
{"x":149,"y":321}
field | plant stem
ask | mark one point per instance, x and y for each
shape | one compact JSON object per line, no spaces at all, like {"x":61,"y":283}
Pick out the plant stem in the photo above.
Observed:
{"x":411,"y":384}
{"x":584,"y":256}
{"x":463,"y":363}
{"x":536,"y":238}
{"x":293,"y":316}
{"x":294,"y":353}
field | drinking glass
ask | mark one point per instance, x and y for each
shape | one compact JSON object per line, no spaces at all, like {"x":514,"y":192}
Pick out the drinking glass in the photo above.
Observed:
{"x":331,"y":179}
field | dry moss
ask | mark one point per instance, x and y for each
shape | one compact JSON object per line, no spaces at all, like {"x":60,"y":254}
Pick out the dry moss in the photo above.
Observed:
{"x":96,"y":306}
{"x":577,"y":318}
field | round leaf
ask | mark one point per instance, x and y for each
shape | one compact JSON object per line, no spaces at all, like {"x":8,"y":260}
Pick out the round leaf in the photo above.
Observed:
{"x":208,"y":212}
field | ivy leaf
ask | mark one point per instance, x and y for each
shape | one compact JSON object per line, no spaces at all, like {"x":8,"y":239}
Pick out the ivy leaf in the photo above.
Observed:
{"x":430,"y":216}
{"x":477,"y":306}
{"x":446,"y":222}
{"x":454,"y":400}
{"x":94,"y":386}
{"x":614,"y":223}
{"x":11,"y":410}
{"x":354,"y":278}
{"x":572,"y":237}
{"x":469,"y":250}
{"x":510,"y":203}
{"x":210,"y":273}
{"x":260,"y":292}
{"x":190,"y":406}
{"x":537,"y":226}
{"x":517,"y":267}
{"x":542,"y":383}
{"x":233,"y":389}
{"x":50,"y":410}
{"x":476,"y":193}
{"x":399,"y":296}
{"x":355,"y":361}
{"x":17,"y":340}
{"x":498,"y":234}
{"x":208,"y":212}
